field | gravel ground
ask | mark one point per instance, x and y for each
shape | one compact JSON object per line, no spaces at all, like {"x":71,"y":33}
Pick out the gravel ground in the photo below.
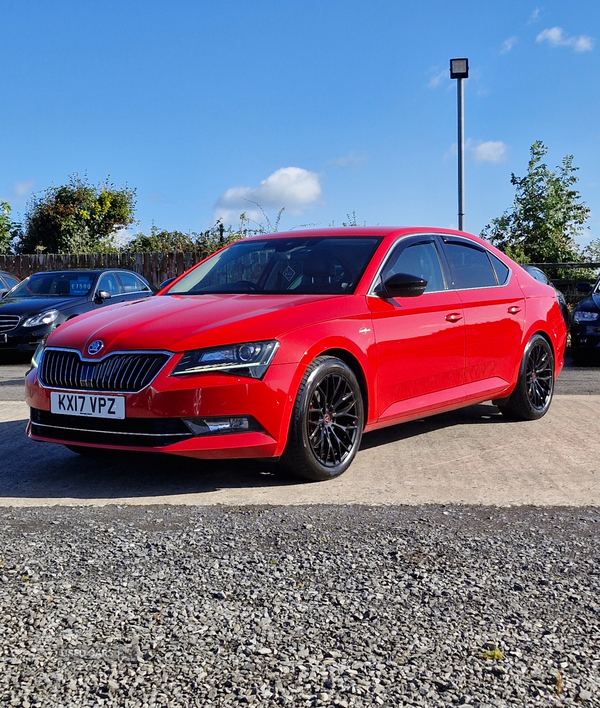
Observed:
{"x":299,"y":606}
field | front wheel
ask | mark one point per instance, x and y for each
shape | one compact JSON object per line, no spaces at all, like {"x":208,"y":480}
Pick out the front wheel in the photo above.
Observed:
{"x":533,"y":393}
{"x":327,"y":421}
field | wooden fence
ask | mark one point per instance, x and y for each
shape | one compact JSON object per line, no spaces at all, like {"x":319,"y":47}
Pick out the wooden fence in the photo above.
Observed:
{"x":155,"y":267}
{"x":568,"y":286}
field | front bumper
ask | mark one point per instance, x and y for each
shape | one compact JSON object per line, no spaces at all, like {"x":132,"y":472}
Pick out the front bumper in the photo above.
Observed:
{"x":23,"y":339}
{"x":154,"y":417}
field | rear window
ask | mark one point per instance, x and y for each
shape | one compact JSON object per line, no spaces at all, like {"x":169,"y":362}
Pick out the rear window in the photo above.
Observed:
{"x":471,"y":267}
{"x":502,"y":270}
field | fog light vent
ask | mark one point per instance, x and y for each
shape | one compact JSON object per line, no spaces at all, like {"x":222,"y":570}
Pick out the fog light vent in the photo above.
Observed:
{"x":221,"y":426}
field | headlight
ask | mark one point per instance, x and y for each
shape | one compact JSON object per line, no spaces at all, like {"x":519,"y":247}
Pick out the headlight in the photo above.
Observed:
{"x":44,"y":318}
{"x":250,"y":359}
{"x":585,"y":316}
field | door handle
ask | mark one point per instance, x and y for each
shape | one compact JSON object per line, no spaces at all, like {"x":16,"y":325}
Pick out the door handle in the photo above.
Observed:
{"x":513,"y":310}
{"x":453,"y":317}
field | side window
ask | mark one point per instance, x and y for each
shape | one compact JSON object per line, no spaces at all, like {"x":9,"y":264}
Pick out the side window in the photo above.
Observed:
{"x":471,"y":267}
{"x":8,"y":281}
{"x":131,"y":284}
{"x":109,"y":282}
{"x":420,"y":259}
{"x":502,"y":271}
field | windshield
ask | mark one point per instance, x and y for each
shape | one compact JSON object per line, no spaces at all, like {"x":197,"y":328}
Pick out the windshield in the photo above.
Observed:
{"x":55,"y":285}
{"x":311,"y":265}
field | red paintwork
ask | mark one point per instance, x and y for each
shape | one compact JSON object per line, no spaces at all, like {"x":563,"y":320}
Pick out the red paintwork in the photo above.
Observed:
{"x":411,"y":360}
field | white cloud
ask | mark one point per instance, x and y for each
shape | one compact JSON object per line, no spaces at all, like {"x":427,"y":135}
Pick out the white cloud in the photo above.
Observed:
{"x":535,"y":16}
{"x":490,"y":151}
{"x":583,"y":44}
{"x":508,"y":44}
{"x":351,"y":161}
{"x":436,"y":79}
{"x":294,"y":188}
{"x":556,"y":37}
{"x":123,"y":237}
{"x":21,"y":189}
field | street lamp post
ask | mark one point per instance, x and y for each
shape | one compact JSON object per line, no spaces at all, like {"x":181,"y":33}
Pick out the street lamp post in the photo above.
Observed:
{"x":459,"y":69}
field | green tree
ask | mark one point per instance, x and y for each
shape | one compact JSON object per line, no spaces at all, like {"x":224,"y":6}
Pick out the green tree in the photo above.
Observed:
{"x":591,"y":252}
{"x":163,"y":241}
{"x":546,"y":216}
{"x":78,"y":217}
{"x":6,"y":226}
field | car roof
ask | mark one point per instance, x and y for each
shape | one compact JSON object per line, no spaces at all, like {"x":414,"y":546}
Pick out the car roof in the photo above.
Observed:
{"x":89,"y":271}
{"x":357,"y":231}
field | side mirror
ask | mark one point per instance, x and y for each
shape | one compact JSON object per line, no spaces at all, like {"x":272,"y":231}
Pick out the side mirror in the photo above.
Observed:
{"x":3,"y":293}
{"x":403,"y":285}
{"x":584,"y":288}
{"x":166,"y":282}
{"x":102,"y":295}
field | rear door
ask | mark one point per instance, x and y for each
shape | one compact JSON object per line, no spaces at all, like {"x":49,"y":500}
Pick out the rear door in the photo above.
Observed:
{"x":494,"y":310}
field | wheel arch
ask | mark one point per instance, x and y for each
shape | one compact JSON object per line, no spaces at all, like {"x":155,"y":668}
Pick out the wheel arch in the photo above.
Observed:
{"x":352,"y":362}
{"x":552,"y":341}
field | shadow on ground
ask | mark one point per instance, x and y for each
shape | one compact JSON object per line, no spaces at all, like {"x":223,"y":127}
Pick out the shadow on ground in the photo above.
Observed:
{"x":43,"y":470}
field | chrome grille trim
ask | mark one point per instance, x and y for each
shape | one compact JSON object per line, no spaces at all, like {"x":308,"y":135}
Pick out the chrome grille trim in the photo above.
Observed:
{"x":114,"y":432}
{"x":9,"y":322}
{"x":117,"y":372}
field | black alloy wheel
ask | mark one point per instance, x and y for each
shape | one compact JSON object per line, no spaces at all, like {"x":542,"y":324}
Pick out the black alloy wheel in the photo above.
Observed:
{"x":533,"y":393}
{"x":540,"y":376}
{"x":327,"y":421}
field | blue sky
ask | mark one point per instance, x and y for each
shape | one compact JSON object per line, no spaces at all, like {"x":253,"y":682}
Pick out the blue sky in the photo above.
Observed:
{"x":322,"y":107}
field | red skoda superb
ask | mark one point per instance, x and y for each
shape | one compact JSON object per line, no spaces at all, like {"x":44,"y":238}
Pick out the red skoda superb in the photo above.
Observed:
{"x":292,"y":345}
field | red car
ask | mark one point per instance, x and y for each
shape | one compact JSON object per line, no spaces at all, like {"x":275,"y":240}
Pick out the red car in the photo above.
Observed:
{"x":292,"y":345}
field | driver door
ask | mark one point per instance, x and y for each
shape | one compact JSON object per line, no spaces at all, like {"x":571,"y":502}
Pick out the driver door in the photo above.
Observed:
{"x":420,"y":340}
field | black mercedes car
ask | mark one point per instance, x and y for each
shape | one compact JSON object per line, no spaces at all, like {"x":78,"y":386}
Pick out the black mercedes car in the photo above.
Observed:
{"x":585,"y":325}
{"x":45,"y":300}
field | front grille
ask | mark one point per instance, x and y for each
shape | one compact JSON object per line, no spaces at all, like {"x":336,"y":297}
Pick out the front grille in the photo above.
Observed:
{"x":127,"y":373}
{"x":132,"y":432}
{"x":9,"y":322}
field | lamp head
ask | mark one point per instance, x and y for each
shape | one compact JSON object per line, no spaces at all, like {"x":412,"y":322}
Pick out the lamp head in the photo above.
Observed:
{"x":459,"y":68}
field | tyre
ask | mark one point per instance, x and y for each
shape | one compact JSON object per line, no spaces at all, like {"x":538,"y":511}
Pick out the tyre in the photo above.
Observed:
{"x":533,"y":393}
{"x":327,"y":421}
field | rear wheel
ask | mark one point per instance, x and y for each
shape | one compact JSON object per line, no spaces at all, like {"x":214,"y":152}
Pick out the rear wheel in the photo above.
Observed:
{"x":327,"y":421}
{"x":533,"y":393}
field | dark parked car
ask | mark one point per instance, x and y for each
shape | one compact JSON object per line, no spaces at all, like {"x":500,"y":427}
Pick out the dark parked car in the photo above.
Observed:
{"x":45,"y":300}
{"x":7,"y":281}
{"x":585,"y":325}
{"x":543,"y":278}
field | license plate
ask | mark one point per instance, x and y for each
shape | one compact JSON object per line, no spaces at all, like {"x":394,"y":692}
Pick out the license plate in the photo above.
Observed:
{"x":88,"y":405}
{"x":3,"y":338}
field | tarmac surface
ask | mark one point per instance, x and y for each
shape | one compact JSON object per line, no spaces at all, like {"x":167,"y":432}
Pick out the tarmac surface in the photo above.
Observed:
{"x":471,"y":456}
